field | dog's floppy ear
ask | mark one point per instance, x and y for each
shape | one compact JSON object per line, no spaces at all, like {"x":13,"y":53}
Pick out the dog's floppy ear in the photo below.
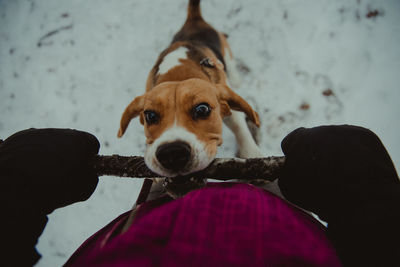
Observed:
{"x":131,"y":111}
{"x":228,"y":97}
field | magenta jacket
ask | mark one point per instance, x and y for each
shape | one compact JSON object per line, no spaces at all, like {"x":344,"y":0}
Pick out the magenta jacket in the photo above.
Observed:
{"x":223,"y":224}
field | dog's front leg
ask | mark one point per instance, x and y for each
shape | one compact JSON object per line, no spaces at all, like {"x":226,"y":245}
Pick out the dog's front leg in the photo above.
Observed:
{"x":247,"y":147}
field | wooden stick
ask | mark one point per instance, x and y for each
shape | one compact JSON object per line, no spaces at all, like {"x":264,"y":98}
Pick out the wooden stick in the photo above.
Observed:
{"x":220,"y":169}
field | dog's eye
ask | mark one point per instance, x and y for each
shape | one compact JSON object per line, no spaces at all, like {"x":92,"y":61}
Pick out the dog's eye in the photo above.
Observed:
{"x":151,"y":117}
{"x":201,"y":111}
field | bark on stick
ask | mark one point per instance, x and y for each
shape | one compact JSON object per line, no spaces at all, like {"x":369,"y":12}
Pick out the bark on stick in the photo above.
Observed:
{"x":220,"y":169}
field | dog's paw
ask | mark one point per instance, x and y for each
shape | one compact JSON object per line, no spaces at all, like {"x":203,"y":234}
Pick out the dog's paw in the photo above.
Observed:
{"x":254,"y":130}
{"x":249,"y":151}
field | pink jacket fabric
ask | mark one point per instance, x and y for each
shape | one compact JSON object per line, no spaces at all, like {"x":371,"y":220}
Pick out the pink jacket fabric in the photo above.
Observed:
{"x":223,"y":224}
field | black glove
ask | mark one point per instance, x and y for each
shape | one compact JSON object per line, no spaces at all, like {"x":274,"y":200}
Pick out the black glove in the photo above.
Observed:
{"x":345,"y":175}
{"x":41,"y":170}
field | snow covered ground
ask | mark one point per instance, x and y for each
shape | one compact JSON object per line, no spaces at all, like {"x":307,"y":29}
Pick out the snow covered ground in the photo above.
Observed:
{"x":304,"y":63}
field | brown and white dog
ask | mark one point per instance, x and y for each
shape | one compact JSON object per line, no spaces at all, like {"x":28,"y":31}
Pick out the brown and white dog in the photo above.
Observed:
{"x":187,"y":98}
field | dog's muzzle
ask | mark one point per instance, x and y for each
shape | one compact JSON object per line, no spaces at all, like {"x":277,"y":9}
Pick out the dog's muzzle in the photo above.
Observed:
{"x":174,"y":156}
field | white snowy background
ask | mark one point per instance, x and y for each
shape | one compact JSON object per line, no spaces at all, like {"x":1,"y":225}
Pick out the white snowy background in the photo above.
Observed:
{"x":303,"y":63}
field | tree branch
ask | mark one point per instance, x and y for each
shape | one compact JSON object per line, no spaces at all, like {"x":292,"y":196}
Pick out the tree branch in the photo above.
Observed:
{"x":220,"y":169}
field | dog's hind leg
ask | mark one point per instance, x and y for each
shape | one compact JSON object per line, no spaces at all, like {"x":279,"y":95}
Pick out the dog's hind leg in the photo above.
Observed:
{"x":232,"y":72}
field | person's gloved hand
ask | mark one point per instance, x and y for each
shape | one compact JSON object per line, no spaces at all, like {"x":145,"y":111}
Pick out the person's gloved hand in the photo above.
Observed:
{"x":332,"y":170}
{"x":41,"y":170}
{"x":345,"y":175}
{"x":47,"y":168}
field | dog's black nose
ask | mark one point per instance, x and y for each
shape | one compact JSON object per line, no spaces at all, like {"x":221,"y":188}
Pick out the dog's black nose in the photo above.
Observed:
{"x":173,"y":156}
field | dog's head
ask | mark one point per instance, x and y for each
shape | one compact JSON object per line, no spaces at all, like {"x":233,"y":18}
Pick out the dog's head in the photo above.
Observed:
{"x":183,"y":123}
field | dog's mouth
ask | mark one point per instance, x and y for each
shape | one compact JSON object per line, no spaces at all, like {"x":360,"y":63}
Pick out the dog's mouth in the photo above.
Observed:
{"x":177,"y":158}
{"x":180,"y":163}
{"x":180,"y":171}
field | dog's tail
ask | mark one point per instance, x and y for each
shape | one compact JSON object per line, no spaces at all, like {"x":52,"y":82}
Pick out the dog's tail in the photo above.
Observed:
{"x":194,"y":12}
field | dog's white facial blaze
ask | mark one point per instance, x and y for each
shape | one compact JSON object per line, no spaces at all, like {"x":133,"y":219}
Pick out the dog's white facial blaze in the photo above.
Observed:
{"x":200,"y":158}
{"x":172,"y":60}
